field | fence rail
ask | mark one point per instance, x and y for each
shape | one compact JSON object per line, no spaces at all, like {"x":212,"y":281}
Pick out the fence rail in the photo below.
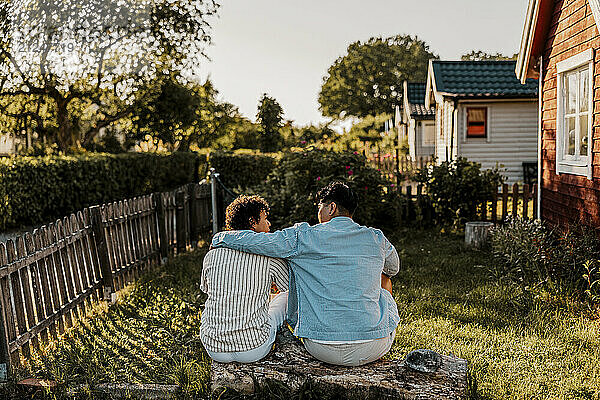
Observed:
{"x":518,"y":200}
{"x":50,"y":277}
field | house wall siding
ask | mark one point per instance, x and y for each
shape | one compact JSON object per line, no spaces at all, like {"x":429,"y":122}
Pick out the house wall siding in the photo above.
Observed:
{"x":512,"y":137}
{"x":567,"y":197}
{"x":419,"y":150}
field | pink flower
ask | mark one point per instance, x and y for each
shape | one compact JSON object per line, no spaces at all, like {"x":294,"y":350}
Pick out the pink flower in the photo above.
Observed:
{"x":366,"y":187}
{"x":347,"y":167}
{"x":356,"y":152}
{"x":318,"y":178}
{"x":392,"y":185}
{"x":303,"y":142}
{"x":350,"y":172}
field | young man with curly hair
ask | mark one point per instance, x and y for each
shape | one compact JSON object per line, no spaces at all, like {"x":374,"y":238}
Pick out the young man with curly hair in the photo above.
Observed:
{"x":340,"y":297}
{"x":239,"y":322}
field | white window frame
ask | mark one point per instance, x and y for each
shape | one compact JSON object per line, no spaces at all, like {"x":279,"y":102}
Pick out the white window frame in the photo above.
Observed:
{"x":572,"y":164}
{"x":424,"y":124}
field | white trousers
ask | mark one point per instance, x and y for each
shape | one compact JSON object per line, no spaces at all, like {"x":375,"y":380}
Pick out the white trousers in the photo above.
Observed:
{"x":277,"y":310}
{"x":350,"y":354}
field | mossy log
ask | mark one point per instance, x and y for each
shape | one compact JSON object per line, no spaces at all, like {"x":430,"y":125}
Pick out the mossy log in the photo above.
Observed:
{"x":289,"y":364}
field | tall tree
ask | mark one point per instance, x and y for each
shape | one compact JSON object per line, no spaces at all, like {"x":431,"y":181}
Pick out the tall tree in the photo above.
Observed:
{"x":270,"y":118}
{"x":478,"y":55}
{"x":182,"y":115}
{"x":368,"y":79}
{"x":77,"y":66}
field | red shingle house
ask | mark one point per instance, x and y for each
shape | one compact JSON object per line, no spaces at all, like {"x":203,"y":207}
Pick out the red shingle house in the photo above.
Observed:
{"x":561,"y":47}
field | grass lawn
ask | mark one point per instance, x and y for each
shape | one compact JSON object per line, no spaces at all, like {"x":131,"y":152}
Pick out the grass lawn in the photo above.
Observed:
{"x":517,"y":345}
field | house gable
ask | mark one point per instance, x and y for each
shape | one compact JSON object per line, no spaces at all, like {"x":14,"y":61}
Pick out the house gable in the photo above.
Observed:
{"x":535,"y":30}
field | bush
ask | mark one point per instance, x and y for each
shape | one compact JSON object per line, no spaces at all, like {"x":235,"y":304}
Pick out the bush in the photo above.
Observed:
{"x":291,"y":187}
{"x":457,"y":187}
{"x":36,"y":190}
{"x":240,"y":171}
{"x":530,"y":253}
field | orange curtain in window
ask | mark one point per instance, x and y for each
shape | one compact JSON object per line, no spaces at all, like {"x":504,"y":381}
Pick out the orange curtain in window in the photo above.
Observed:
{"x":476,"y":122}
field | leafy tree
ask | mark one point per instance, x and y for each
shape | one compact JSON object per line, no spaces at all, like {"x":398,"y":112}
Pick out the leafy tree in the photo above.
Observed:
{"x":73,"y":67}
{"x":367,"y":80}
{"x":478,"y":55}
{"x":183,"y":115}
{"x":270,"y":118}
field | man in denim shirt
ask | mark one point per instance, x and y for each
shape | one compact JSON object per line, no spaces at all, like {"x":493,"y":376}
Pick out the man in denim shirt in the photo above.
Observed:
{"x":340,"y":297}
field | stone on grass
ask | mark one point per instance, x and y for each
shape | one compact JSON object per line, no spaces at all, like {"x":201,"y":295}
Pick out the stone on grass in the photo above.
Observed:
{"x":289,"y":364}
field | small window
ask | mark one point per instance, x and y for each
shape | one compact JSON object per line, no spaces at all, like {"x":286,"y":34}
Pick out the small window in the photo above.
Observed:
{"x":428,"y":134}
{"x":476,"y":122}
{"x":574,"y":115}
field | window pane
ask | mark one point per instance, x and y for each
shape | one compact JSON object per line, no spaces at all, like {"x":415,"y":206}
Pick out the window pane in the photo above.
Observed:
{"x":570,"y":142}
{"x":571,"y":92}
{"x":583,"y":135}
{"x":585,"y":90}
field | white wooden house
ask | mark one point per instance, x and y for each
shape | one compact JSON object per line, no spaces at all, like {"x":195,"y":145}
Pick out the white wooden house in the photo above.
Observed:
{"x":419,"y":121}
{"x":483,"y":113}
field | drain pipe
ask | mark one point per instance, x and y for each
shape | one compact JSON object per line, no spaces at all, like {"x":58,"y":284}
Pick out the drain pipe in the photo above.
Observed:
{"x":540,"y":132}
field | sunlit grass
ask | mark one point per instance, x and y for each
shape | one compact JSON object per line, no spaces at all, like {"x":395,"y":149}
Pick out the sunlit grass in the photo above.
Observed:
{"x":149,"y":336}
{"x":517,"y":345}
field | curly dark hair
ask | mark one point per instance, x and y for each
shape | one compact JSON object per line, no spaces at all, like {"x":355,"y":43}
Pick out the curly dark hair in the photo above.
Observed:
{"x":341,"y":194}
{"x":244,"y":211}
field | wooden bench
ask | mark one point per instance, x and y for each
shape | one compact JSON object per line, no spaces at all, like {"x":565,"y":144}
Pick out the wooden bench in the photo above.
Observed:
{"x":289,"y":364}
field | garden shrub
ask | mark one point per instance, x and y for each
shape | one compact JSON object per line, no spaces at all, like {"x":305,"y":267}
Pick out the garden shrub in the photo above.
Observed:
{"x":457,"y":187}
{"x":35,"y":190}
{"x":532,"y":254}
{"x":240,"y":171}
{"x":291,"y":187}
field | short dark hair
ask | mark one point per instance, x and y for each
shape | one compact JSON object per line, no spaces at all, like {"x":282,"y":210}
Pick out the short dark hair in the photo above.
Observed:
{"x":341,"y":194}
{"x":240,"y":213}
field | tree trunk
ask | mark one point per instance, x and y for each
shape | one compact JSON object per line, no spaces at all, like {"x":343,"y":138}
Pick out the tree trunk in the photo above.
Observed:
{"x":65,"y":129}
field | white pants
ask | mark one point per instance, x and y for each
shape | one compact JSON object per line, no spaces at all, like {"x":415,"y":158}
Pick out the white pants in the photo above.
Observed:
{"x":350,"y":354}
{"x":277,"y":310}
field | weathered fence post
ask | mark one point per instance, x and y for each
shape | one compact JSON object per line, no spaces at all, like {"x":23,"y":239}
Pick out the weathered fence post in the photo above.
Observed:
{"x":193,"y":220}
{"x":213,"y":194}
{"x":159,"y":204}
{"x":504,"y":201}
{"x":4,"y":349}
{"x":495,"y":206}
{"x":108,"y":289}
{"x":526,"y":201}
{"x":515,"y":199}
{"x":180,"y":217}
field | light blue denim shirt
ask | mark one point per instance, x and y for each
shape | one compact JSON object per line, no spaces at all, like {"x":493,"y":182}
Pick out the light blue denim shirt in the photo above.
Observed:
{"x":335,"y":277}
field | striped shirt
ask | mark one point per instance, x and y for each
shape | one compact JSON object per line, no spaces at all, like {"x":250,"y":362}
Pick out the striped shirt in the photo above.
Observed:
{"x":235,"y":316}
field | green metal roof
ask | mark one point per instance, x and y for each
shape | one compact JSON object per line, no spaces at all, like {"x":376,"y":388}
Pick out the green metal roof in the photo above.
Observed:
{"x":416,"y":93}
{"x":416,"y":98}
{"x":481,"y":79}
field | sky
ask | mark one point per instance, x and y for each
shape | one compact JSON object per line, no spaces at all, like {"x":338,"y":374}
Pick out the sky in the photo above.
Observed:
{"x":284,"y":48}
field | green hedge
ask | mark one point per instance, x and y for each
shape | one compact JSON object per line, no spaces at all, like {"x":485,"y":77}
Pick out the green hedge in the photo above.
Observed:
{"x":240,"y":171}
{"x":35,"y":190}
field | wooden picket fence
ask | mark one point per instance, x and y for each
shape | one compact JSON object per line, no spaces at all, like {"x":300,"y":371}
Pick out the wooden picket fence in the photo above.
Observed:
{"x":392,"y":166}
{"x":51,"y":276}
{"x":518,"y":200}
